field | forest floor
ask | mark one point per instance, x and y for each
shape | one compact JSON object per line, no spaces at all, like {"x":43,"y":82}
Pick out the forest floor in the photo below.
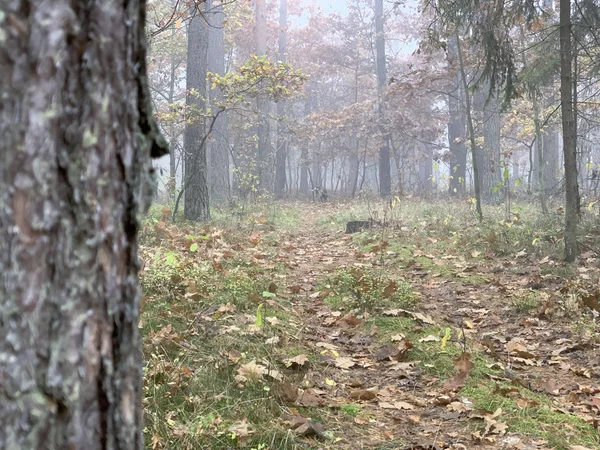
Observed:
{"x":279,"y":331}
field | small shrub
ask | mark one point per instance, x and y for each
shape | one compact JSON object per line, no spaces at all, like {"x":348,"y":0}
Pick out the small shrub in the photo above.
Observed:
{"x":363,"y":289}
{"x":350,"y":409}
{"x":526,"y":303}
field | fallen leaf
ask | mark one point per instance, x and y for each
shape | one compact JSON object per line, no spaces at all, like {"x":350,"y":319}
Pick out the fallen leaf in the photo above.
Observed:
{"x":241,"y":430}
{"x":363,"y":394}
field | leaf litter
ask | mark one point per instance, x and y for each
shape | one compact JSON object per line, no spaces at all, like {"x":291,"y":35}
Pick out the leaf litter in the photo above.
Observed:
{"x":406,"y":371}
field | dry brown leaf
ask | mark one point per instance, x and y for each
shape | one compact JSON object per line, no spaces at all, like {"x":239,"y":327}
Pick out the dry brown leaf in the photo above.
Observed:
{"x":296,"y":362}
{"x":390,"y":289}
{"x":241,"y":430}
{"x":344,"y":363}
{"x":363,"y":394}
{"x":285,"y":392}
{"x":308,"y":399}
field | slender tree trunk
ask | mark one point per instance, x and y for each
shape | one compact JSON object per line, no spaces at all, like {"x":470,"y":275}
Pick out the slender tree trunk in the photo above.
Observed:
{"x":490,"y":170}
{"x":569,"y":136}
{"x":425,"y":170}
{"x":550,"y":152}
{"x":471,"y":129}
{"x":304,"y":154}
{"x":385,"y":180}
{"x":456,"y":126}
{"x":73,"y":186}
{"x":172,"y":187}
{"x":195,"y":183}
{"x":264,"y":157}
{"x":218,"y":147}
{"x":304,"y":171}
{"x":539,"y":151}
{"x":282,"y":143}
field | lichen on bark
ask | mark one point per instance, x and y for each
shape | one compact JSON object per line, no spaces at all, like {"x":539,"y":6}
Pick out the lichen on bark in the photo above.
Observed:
{"x":78,"y":135}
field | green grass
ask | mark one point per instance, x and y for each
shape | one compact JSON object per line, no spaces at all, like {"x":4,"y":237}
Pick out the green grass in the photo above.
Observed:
{"x":350,"y":409}
{"x":526,"y":302}
{"x":191,"y":395}
{"x":561,"y":430}
{"x":366,"y":290}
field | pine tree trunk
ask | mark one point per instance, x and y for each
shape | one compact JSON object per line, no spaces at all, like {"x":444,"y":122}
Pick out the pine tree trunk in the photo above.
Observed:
{"x":490,"y":172}
{"x":195,"y":183}
{"x":77,"y":136}
{"x":569,"y":136}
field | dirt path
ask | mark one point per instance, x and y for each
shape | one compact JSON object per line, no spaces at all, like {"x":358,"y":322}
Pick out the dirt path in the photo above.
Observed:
{"x":385,"y":379}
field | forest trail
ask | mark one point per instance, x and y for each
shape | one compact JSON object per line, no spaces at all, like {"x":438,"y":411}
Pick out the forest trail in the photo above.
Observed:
{"x":393,"y":338}
{"x":381,"y":374}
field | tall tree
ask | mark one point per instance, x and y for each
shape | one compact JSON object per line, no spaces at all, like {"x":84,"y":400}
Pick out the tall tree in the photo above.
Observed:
{"x":456,"y":123}
{"x":195,"y":181}
{"x":489,"y":163}
{"x":218,"y":147}
{"x":264,"y":157}
{"x":385,"y":180}
{"x":569,"y":132}
{"x":77,"y":136}
{"x":470,"y":128}
{"x":282,"y":142}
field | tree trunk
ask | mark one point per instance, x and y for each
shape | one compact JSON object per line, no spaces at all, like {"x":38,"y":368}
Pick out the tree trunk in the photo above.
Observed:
{"x":539,"y":152}
{"x":568,"y":131}
{"x":385,"y":181}
{"x":456,"y":126}
{"x":77,"y":136}
{"x":304,"y":155}
{"x":218,"y":147}
{"x":490,"y":171}
{"x":471,"y":129}
{"x":425,"y":170}
{"x":550,"y":152}
{"x":264,"y":157}
{"x":196,"y":196}
{"x":172,"y":184}
{"x":282,"y":143}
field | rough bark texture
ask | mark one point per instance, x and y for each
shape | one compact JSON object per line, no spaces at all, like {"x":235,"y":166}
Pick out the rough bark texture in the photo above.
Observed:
{"x":490,"y":172}
{"x":569,"y":136}
{"x":385,"y":180}
{"x":282,"y":142}
{"x":456,"y":125}
{"x":77,"y":136}
{"x":218,"y":148}
{"x":195,"y":182}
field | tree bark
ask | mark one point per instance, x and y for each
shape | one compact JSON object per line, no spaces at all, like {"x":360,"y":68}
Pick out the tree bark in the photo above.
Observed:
{"x":282,"y":142}
{"x":77,"y":136}
{"x":264,"y":157}
{"x":471,"y":130}
{"x":385,"y":180}
{"x":456,"y":126}
{"x":195,"y":184}
{"x":304,"y":154}
{"x":218,"y":147}
{"x":489,"y":167}
{"x":550,"y":152}
{"x":568,"y":131}
{"x":425,"y":170}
